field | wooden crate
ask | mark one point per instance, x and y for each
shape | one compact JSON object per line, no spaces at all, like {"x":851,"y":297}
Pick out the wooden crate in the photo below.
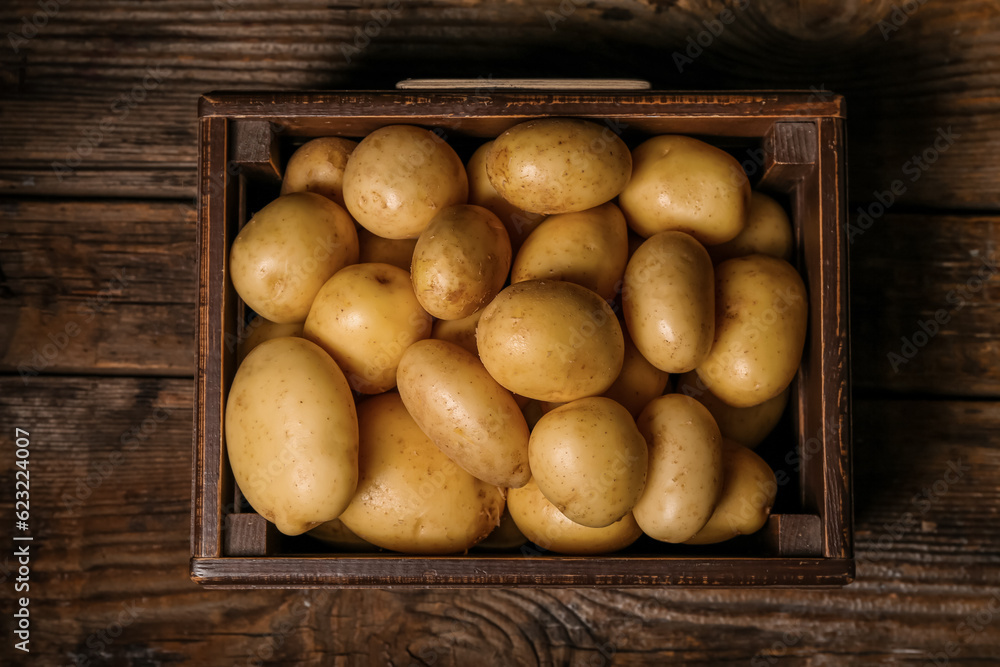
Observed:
{"x":790,"y":144}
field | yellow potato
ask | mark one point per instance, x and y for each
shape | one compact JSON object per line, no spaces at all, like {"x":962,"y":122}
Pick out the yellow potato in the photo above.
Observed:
{"x":460,"y":332}
{"x":683,"y":184}
{"x":281,"y":258}
{"x":558,"y":165}
{"x":550,"y":530}
{"x":365,"y":317}
{"x":638,"y":383}
{"x":467,"y":414}
{"x":551,"y":340}
{"x":460,"y":262}
{"x":747,"y":426}
{"x":291,"y":432}
{"x":401,"y":176}
{"x":504,"y":536}
{"x":668,"y":300}
{"x":340,"y":537}
{"x":482,"y":193}
{"x":768,"y":232}
{"x":748,"y":490}
{"x":410,"y":496}
{"x":684,"y":478}
{"x":760,"y":329}
{"x":589,"y":248}
{"x":258,"y":330}
{"x":589,"y":460}
{"x":377,"y":250}
{"x":318,"y":166}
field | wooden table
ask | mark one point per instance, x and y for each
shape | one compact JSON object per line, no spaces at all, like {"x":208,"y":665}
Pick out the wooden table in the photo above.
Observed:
{"x":97,"y":316}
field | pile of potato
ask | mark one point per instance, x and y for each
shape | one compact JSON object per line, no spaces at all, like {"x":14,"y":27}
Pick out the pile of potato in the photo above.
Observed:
{"x":436,"y":355}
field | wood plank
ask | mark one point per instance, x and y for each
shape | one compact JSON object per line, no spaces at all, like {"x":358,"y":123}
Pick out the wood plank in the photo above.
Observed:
{"x":111,"y":516}
{"x":88,"y":64}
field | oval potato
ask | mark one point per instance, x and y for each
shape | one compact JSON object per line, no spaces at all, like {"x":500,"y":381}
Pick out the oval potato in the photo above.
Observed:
{"x":377,"y":250}
{"x":768,"y":232}
{"x":638,"y":383}
{"x":318,"y":166}
{"x":519,"y":223}
{"x":257,"y":330}
{"x":291,"y":433}
{"x":461,"y":332}
{"x":746,"y":426}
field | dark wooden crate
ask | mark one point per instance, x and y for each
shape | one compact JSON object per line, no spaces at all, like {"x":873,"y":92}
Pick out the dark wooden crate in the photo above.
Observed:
{"x":791,"y":145}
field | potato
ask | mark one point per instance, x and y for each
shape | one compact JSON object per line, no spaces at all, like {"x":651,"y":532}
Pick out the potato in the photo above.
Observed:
{"x":291,"y":432}
{"x":746,"y":426}
{"x":684,"y":478}
{"x":768,"y":232}
{"x":365,"y":317}
{"x":468,"y":415}
{"x":551,"y":340}
{"x":504,"y":536}
{"x":257,"y":330}
{"x":318,"y":166}
{"x":682,"y":184}
{"x":377,"y":250}
{"x":337,"y":535}
{"x":668,"y":300}
{"x":482,"y":193}
{"x":281,"y":258}
{"x":558,"y":165}
{"x":639,"y":381}
{"x":550,"y":530}
{"x":748,"y":490}
{"x":460,"y":332}
{"x":410,"y":496}
{"x":589,"y":248}
{"x":460,"y":262}
{"x":760,"y":330}
{"x":401,"y":176}
{"x":589,"y":460}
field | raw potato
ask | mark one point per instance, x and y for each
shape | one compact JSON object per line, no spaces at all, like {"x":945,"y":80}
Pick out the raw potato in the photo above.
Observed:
{"x":558,"y":165}
{"x":281,"y":258}
{"x":504,"y":536}
{"x":589,"y":460}
{"x":748,"y":492}
{"x":467,"y":414}
{"x":550,"y":530}
{"x":460,"y":332}
{"x":683,"y":184}
{"x":551,"y":341}
{"x":760,"y":329}
{"x":292,"y":434}
{"x":460,"y":262}
{"x":684,"y":478}
{"x":638,"y":383}
{"x":589,"y":248}
{"x":257,"y":330}
{"x":340,"y":537}
{"x":318,"y":166}
{"x":377,"y":250}
{"x":365,"y":317}
{"x":401,"y":176}
{"x":669,"y":301}
{"x":410,"y":496}
{"x":768,"y":232}
{"x":482,"y":193}
{"x":747,"y":426}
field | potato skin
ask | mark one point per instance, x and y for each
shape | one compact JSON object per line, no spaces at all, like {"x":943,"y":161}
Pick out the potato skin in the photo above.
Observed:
{"x":683,"y":184}
{"x":746,"y":426}
{"x":684,"y":478}
{"x":519,"y":223}
{"x":465,"y":412}
{"x":292,"y":434}
{"x":551,"y":340}
{"x":589,"y":460}
{"x":282,"y":257}
{"x":318,"y":166}
{"x":768,"y":232}
{"x":401,"y":176}
{"x":410,"y":496}
{"x":669,"y":301}
{"x":460,"y":332}
{"x":365,"y":317}
{"x":377,"y":250}
{"x":257,"y":330}
{"x":639,"y":381}
{"x":761,"y":314}
{"x":558,"y":165}
{"x":550,"y":530}
{"x":589,"y":248}
{"x":460,"y":262}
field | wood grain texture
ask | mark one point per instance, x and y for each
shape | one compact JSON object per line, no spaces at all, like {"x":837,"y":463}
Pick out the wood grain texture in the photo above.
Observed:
{"x":111,"y":515}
